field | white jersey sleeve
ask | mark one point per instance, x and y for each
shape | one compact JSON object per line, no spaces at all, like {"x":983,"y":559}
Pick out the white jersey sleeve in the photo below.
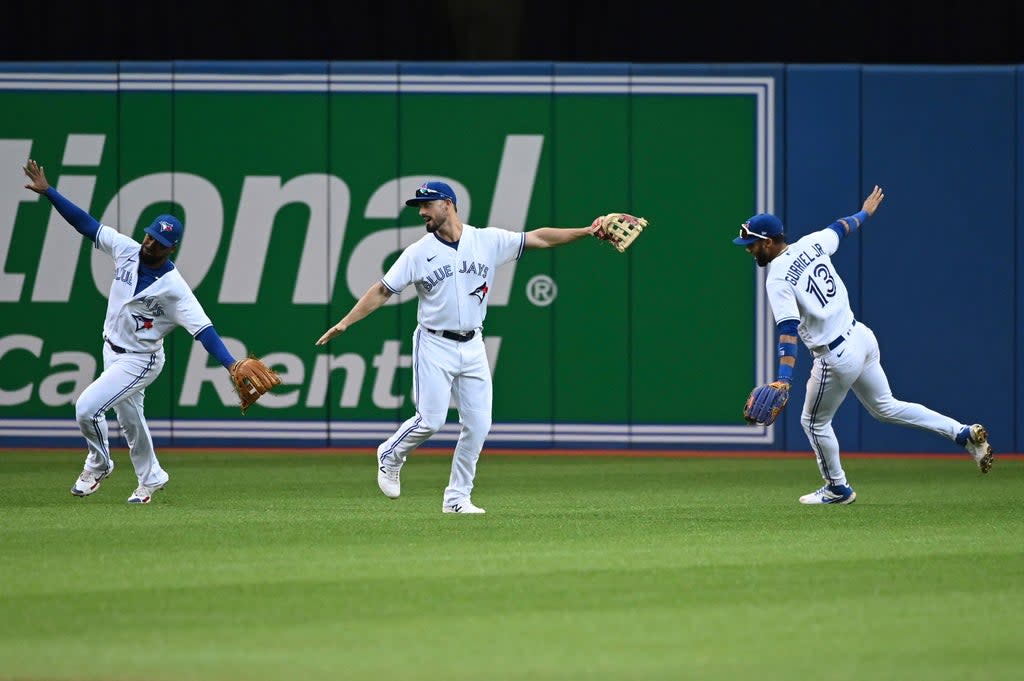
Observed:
{"x":401,"y":273}
{"x":802,"y":283}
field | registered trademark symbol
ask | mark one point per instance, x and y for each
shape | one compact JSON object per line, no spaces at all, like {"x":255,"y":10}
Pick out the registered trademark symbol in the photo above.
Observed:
{"x":541,"y":290}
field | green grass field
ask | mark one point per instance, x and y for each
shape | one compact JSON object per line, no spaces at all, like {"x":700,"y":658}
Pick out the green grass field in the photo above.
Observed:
{"x":292,"y":566}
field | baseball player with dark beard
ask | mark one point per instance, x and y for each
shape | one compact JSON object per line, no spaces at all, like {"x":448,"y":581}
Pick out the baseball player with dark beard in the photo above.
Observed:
{"x":452,"y":268}
{"x":809,"y":300}
{"x":148,"y":299}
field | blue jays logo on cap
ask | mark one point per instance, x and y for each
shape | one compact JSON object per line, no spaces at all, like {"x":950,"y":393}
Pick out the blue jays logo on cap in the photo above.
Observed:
{"x":166,"y":229}
{"x":433,"y":191}
{"x":762,"y":226}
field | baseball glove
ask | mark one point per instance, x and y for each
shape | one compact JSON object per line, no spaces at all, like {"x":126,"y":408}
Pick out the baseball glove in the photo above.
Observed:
{"x":251,"y":378}
{"x":620,"y":229}
{"x":766,"y":402}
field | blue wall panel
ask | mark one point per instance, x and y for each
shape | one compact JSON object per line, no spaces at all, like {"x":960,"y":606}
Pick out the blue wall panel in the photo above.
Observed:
{"x":823,"y":148}
{"x":938,"y":263}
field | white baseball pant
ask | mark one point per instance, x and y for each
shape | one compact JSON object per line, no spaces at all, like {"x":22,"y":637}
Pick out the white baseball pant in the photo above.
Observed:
{"x":855,"y":365}
{"x":121,"y":387}
{"x":446,"y":371}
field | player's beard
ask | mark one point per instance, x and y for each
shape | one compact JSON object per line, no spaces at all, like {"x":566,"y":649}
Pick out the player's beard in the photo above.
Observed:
{"x":435,"y":224}
{"x":762,"y":260}
{"x":149,"y":259}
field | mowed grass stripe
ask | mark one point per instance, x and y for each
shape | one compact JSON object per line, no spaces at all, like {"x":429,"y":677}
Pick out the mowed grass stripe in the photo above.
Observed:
{"x":281,"y":567}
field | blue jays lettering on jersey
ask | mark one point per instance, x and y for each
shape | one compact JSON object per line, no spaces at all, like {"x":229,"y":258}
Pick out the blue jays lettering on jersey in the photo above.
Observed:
{"x":475,"y":268}
{"x":436,"y":277}
{"x":451,"y":279}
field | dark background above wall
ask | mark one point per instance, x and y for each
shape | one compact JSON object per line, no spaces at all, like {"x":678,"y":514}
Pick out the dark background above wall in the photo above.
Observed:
{"x":871,"y":31}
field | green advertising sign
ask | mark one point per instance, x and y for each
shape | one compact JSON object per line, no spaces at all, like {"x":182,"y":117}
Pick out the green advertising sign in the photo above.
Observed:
{"x":291,"y":183}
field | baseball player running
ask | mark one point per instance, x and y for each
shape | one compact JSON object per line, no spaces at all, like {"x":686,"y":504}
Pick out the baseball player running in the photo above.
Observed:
{"x":809,"y":299}
{"x":148,"y":299}
{"x":452,"y":268}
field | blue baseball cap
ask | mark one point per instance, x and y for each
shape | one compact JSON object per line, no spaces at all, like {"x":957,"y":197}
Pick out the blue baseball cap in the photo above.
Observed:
{"x":166,"y":229}
{"x":433,"y":191}
{"x":760,"y":226}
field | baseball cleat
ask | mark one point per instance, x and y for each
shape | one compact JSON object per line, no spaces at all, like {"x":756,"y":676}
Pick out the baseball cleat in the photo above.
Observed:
{"x":464,"y":506}
{"x":389,"y":482}
{"x":143,"y":494}
{"x":979,"y":448}
{"x":388,"y":477}
{"x":830,"y":494}
{"x":88,"y":482}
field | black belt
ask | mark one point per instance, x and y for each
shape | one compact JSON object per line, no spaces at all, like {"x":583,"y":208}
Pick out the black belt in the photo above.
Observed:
{"x":119,"y":350}
{"x":839,"y":341}
{"x":454,"y":335}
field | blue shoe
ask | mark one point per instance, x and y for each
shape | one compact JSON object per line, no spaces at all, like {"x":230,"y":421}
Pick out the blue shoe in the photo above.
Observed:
{"x":830,"y":494}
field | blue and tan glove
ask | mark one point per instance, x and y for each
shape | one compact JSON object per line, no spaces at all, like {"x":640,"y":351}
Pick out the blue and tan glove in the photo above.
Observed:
{"x":766,"y":402}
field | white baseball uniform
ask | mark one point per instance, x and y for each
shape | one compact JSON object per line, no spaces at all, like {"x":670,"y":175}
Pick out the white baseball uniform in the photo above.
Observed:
{"x":133,"y":355}
{"x":452,"y":282}
{"x":803,"y":284}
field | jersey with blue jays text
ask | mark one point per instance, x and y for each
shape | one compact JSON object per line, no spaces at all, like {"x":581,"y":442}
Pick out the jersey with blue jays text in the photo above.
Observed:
{"x":139,"y":322}
{"x":803,"y":284}
{"x":452,"y":282}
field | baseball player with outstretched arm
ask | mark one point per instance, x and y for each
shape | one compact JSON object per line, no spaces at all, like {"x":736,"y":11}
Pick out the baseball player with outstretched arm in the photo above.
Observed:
{"x":452,"y":268}
{"x":148,"y":299}
{"x":809,"y":300}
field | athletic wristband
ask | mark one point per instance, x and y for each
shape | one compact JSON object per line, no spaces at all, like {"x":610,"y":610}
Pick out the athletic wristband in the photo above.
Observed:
{"x":785,"y":373}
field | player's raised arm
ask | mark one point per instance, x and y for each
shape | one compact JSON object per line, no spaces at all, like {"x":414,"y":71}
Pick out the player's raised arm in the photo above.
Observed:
{"x":374,"y":297}
{"x":850,"y":224}
{"x":549,"y":237}
{"x":86,"y":224}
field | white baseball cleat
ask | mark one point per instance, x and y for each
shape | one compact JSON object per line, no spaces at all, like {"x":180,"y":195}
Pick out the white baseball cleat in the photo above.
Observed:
{"x":143,"y":494}
{"x":88,"y":482}
{"x":830,"y":494}
{"x":464,"y":506}
{"x":388,"y":477}
{"x":389,"y":481}
{"x":979,"y":448}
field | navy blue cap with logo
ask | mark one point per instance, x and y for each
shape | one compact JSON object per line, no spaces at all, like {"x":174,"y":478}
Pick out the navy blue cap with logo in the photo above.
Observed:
{"x":434,"y":190}
{"x":762,"y":226}
{"x":166,"y":229}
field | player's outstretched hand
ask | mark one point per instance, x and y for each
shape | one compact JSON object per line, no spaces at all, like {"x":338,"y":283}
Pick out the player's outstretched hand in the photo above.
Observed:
{"x":37,"y":177}
{"x":330,"y":333}
{"x":874,"y":198}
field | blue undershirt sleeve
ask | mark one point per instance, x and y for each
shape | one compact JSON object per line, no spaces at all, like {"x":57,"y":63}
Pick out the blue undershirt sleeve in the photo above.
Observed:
{"x":215,"y":346}
{"x":787,"y":327}
{"x":83,"y":222}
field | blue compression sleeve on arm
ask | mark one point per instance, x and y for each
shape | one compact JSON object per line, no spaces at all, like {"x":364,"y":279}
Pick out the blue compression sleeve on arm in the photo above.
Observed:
{"x":786,"y":328}
{"x":854,"y":221}
{"x":215,"y":346}
{"x":76,"y":217}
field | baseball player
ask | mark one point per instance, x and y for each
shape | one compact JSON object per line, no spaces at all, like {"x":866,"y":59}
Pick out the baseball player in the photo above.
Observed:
{"x":148,"y":299}
{"x":809,"y":300}
{"x":452,"y":268}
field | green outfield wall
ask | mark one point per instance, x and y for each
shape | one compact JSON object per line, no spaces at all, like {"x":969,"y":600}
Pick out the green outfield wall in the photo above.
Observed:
{"x":292,"y":193}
